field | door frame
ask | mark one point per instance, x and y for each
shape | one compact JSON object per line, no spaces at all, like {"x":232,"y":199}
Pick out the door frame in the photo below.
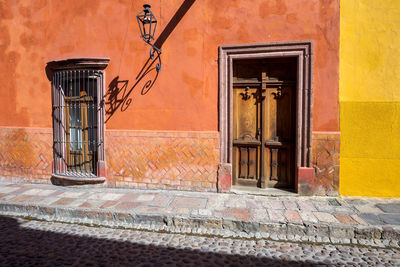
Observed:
{"x":303,"y":51}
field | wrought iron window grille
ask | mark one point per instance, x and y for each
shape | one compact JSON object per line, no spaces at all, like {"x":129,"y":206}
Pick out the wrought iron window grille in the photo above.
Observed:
{"x":78,"y":117}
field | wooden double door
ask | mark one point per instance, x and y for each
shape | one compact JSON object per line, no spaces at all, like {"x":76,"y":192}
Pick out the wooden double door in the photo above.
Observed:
{"x":264,"y":122}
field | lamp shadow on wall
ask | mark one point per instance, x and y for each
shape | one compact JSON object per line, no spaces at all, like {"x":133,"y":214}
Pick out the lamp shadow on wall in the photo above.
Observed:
{"x":118,"y":95}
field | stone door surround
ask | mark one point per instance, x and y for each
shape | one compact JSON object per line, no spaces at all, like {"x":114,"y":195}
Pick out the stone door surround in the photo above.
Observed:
{"x":303,"y":51}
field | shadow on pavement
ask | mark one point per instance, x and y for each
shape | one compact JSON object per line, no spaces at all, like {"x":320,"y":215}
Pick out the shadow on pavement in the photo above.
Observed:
{"x":21,"y":246}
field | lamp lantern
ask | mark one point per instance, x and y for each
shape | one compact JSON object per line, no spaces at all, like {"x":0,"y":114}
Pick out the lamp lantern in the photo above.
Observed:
{"x":147,"y":23}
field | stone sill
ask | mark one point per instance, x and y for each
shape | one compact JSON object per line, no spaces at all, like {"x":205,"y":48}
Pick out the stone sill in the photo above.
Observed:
{"x":57,"y":179}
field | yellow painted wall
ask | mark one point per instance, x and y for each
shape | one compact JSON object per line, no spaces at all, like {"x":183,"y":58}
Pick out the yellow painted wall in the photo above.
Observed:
{"x":370,"y":97}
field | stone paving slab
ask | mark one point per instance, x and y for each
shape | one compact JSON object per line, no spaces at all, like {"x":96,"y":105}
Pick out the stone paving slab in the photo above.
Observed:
{"x":389,"y":207}
{"x":366,"y":221}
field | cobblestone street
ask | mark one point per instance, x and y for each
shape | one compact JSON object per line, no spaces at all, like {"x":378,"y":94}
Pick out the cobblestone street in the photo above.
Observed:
{"x":29,"y":242}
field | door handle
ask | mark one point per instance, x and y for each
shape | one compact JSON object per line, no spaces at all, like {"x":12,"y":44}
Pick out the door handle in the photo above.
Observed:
{"x":258,"y":132}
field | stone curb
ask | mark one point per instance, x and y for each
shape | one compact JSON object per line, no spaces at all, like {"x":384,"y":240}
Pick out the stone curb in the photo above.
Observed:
{"x":376,"y":236}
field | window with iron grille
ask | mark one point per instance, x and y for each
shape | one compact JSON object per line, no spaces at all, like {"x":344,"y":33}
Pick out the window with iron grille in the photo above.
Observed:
{"x":78,"y":118}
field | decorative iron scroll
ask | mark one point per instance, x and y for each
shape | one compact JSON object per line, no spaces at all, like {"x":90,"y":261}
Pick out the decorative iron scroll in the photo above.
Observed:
{"x":278,"y":94}
{"x":245,"y":95}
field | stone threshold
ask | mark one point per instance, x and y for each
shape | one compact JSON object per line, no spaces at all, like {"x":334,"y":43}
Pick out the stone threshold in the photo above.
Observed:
{"x":246,"y":190}
{"x":372,"y":236}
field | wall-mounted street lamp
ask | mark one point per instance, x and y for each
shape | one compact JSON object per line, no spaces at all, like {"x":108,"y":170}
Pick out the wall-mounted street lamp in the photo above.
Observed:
{"x":147,"y":25}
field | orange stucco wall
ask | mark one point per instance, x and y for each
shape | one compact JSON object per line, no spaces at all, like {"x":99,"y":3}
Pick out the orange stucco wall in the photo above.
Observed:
{"x":185,"y":96}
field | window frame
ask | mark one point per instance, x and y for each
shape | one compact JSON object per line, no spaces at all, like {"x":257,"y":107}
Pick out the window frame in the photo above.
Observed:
{"x":83,"y":147}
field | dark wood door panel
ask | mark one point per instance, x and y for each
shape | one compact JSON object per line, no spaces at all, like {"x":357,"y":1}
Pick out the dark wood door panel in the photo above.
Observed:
{"x":279,"y":134}
{"x":245,"y":135}
{"x":264,"y":93}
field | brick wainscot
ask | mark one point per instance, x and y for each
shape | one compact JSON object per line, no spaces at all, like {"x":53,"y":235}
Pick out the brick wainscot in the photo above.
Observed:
{"x":134,"y":159}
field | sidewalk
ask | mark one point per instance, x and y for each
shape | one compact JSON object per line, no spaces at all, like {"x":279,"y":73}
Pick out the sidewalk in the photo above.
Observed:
{"x":363,"y":221}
